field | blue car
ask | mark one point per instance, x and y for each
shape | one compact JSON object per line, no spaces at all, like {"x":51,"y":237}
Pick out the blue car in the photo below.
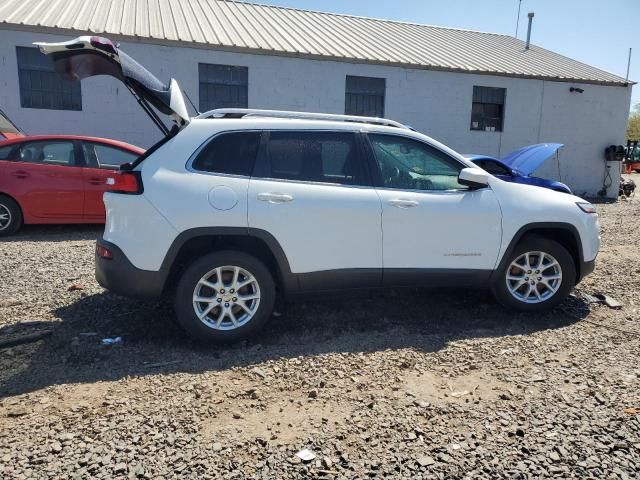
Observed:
{"x":518,"y":165}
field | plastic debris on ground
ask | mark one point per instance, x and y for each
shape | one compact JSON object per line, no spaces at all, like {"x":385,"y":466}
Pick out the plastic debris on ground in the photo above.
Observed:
{"x":306,"y":455}
{"x":601,"y":298}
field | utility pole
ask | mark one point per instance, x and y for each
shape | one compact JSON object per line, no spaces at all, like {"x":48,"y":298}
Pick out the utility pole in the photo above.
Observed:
{"x":626,"y":79}
{"x":518,"y":19}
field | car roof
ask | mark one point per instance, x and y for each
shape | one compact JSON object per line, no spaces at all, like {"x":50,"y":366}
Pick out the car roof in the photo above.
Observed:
{"x":106,"y":141}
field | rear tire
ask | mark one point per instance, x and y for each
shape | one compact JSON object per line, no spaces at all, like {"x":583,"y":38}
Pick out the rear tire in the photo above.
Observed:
{"x":524,"y":284}
{"x":224,"y":297}
{"x":10,"y":216}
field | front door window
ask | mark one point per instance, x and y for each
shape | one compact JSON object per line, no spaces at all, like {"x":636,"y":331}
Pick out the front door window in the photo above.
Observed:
{"x":411,"y":165}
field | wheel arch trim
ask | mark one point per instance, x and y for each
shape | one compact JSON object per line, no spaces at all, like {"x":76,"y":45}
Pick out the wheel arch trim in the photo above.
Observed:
{"x":289,"y":281}
{"x":531,"y":227}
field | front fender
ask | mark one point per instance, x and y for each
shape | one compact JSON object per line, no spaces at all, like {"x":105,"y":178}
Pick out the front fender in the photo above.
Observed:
{"x":526,"y":207}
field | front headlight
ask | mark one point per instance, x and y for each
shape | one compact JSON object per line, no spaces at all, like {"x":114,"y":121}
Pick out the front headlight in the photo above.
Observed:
{"x":586,"y":207}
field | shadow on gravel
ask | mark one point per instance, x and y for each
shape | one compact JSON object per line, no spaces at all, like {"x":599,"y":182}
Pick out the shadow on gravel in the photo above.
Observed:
{"x":24,"y":332}
{"x":424,"y":320}
{"x":55,"y":233}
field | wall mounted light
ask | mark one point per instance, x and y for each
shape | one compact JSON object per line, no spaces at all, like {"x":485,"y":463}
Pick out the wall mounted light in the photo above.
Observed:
{"x":576,"y":90}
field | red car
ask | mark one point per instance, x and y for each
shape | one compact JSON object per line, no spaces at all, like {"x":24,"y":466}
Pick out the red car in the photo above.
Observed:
{"x":56,"y":178}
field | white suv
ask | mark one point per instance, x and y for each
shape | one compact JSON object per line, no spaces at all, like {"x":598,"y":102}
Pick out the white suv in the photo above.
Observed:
{"x":234,"y":207}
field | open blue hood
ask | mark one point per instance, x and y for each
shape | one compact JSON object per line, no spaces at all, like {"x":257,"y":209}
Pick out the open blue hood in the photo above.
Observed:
{"x":527,"y":159}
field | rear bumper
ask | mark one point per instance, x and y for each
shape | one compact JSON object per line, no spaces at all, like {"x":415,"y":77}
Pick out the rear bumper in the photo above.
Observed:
{"x":120,"y":276}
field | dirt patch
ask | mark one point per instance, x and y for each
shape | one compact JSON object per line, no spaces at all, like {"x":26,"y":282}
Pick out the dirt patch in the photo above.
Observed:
{"x":438,"y":389}
{"x":281,"y":422}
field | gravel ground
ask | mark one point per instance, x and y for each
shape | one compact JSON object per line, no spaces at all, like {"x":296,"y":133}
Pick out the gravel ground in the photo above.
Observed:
{"x":411,"y":384}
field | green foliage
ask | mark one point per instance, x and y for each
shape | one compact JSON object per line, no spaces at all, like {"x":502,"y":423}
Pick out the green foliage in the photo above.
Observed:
{"x":633,"y":125}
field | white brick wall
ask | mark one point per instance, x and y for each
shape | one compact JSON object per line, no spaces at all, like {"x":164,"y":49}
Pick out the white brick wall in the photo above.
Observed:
{"x":436,"y":103}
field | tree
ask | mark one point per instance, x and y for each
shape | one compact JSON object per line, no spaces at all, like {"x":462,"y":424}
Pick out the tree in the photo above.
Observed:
{"x":633,"y":125}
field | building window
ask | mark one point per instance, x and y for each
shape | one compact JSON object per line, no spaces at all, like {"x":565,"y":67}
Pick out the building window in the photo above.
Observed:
{"x":487,"y":111}
{"x":223,"y":86}
{"x":364,"y":96}
{"x":41,"y":86}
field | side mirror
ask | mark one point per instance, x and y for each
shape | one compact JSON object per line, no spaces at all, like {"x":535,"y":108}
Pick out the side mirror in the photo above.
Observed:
{"x":473,"y":178}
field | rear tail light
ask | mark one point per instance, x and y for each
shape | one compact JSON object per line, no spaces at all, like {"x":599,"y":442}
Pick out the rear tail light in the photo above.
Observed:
{"x":104,"y":252}
{"x":125,"y":182}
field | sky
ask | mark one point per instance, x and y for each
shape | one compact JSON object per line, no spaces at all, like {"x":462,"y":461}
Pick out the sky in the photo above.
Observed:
{"x":596,"y":32}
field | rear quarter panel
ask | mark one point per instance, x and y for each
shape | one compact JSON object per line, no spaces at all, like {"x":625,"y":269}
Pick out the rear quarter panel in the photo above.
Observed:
{"x":141,"y":232}
{"x":174,"y":200}
{"x":185,"y":197}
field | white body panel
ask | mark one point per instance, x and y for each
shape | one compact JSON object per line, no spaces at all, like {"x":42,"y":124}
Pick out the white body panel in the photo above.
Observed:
{"x":137,"y":227}
{"x":458,"y":230}
{"x":525,"y":204}
{"x":319,"y":227}
{"x":183,"y":196}
{"x":191,"y":204}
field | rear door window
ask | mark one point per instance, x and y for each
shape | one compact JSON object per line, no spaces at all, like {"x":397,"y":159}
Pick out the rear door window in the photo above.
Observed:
{"x":325,"y":157}
{"x":232,"y":153}
{"x":57,"y":152}
{"x":99,"y":155}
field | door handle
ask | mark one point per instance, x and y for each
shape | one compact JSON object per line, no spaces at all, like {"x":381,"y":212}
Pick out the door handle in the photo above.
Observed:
{"x":21,"y":174}
{"x":400,"y":203}
{"x":97,"y":181}
{"x":274,"y":197}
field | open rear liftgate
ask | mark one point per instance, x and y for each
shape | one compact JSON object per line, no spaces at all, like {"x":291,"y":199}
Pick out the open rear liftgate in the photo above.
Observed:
{"x":87,"y":56}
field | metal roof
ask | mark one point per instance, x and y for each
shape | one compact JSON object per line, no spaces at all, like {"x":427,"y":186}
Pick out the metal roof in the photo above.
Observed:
{"x":240,"y":26}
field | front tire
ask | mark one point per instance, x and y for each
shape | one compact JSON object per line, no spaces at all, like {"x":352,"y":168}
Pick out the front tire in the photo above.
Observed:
{"x":224,"y":297}
{"x":536,"y":276}
{"x":10,"y":216}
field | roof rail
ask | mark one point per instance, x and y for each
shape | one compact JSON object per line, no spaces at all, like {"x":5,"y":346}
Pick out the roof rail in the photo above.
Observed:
{"x":249,"y":112}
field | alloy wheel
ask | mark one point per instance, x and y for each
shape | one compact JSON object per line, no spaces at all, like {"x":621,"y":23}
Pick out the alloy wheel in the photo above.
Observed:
{"x":5,"y":217}
{"x":226,"y":298}
{"x":534,"y":277}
